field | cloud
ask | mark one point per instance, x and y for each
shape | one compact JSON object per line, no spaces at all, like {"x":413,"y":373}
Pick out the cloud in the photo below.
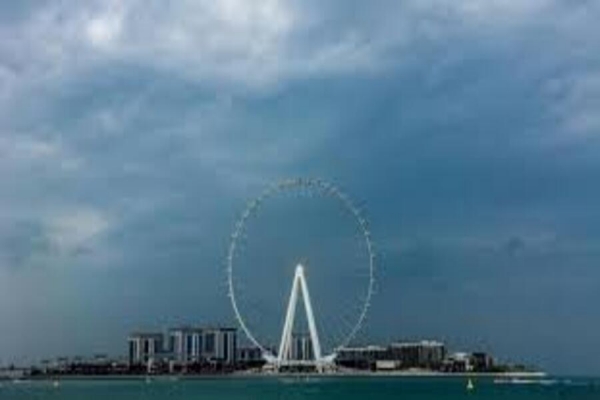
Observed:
{"x":102,"y":31}
{"x":255,"y":44}
{"x":53,"y":239}
{"x":27,"y":148}
{"x":132,"y":133}
{"x":495,"y":11}
{"x":76,"y":230}
{"x":126,"y":94}
{"x":197,"y":39}
{"x":576,"y":101}
{"x":28,"y":153}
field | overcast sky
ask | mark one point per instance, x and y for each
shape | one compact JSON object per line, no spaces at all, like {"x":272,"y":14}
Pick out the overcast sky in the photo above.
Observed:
{"x":132,"y":133}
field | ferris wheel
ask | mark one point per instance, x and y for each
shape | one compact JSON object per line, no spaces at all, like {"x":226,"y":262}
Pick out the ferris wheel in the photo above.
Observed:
{"x":348,"y":320}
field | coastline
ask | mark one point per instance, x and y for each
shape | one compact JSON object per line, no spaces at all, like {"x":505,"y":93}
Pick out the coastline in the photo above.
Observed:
{"x":261,"y":375}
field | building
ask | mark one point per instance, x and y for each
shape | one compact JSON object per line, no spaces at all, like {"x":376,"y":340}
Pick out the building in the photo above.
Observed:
{"x":387,"y":365}
{"x":185,"y":345}
{"x":144,"y":347}
{"x":249,"y":354}
{"x":481,"y":362}
{"x":189,"y":345}
{"x":302,"y":348}
{"x":425,"y":354}
{"x":220,"y":344}
{"x":458,"y":362}
{"x":12,"y":373}
{"x":362,"y":357}
{"x":249,"y":357}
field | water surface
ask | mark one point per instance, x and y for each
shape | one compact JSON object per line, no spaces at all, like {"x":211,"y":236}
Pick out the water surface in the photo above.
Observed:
{"x":301,"y":388}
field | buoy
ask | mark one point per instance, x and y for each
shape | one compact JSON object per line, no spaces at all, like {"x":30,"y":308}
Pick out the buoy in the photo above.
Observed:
{"x":56,"y":384}
{"x":470,"y":385}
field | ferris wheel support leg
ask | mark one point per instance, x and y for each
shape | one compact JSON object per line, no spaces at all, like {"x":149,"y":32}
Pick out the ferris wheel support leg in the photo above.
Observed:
{"x":288,"y":325}
{"x":312,"y":326}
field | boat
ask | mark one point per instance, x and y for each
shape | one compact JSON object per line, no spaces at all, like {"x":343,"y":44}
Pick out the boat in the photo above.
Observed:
{"x":522,"y":381}
{"x":470,"y":385}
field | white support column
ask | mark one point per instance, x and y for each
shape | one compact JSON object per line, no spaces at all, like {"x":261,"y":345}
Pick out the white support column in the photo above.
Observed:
{"x":288,"y":326}
{"x":312,"y":327}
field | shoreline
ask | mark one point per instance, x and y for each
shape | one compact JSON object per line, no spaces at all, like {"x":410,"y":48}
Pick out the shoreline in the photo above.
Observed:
{"x":261,"y":375}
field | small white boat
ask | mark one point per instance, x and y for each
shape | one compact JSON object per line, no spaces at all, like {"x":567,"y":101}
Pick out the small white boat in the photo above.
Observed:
{"x":470,"y":386}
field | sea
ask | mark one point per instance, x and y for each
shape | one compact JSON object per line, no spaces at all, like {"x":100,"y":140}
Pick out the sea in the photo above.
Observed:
{"x":297,"y":388}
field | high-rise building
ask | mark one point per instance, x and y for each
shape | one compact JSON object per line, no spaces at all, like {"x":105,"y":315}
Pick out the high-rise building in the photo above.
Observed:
{"x":189,"y":345}
{"x":302,"y":348}
{"x":144,"y":346}
{"x":186,"y":344}
{"x":220,"y":344}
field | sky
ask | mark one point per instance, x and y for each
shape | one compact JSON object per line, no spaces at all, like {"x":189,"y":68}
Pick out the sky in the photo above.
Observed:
{"x":133,"y":133}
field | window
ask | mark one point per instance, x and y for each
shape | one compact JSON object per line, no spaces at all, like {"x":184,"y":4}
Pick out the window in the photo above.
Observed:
{"x":189,"y":343}
{"x":209,"y":342}
{"x":131,"y":351}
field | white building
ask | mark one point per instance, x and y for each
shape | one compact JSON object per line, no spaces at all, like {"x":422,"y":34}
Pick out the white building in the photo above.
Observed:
{"x":220,"y":344}
{"x":144,"y":346}
{"x":302,"y":348}
{"x":186,"y":344}
{"x":459,"y":362}
{"x":189,"y":345}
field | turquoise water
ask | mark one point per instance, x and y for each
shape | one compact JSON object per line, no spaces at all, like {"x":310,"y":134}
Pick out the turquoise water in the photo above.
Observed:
{"x":301,"y":388}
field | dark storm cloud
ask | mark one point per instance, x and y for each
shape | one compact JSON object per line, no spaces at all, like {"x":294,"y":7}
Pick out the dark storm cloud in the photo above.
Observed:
{"x":468,"y":131}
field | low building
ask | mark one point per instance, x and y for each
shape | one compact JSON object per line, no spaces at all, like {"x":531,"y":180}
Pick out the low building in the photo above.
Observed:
{"x":12,"y":373}
{"x":249,"y":354}
{"x":481,"y":362}
{"x":362,"y":357}
{"x":387,"y":365}
{"x":458,"y":362}
{"x":249,"y":357}
{"x":424,"y":354}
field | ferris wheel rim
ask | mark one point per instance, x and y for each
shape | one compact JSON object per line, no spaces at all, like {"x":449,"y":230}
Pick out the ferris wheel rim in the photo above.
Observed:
{"x":330,"y":190}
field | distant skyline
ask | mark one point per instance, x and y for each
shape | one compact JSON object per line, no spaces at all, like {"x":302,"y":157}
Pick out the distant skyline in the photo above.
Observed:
{"x":132,"y":134}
